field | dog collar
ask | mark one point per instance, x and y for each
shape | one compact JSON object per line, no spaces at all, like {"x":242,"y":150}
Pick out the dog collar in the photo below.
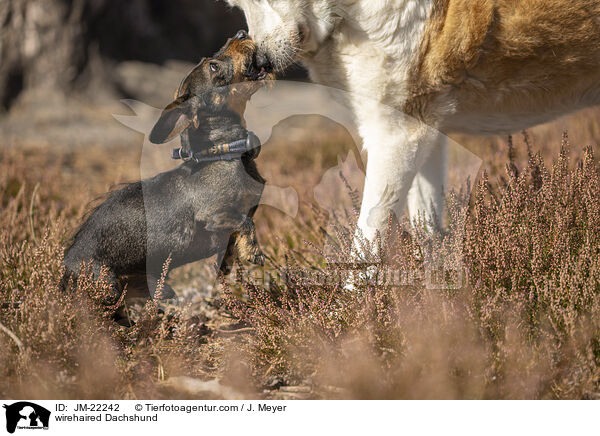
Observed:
{"x":228,"y":151}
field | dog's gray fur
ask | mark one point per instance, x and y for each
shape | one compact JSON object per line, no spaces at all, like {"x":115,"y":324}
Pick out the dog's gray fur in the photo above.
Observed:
{"x":192,"y":212}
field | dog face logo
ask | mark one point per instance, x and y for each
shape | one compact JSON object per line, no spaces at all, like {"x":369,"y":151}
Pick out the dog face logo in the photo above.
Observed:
{"x":26,"y":415}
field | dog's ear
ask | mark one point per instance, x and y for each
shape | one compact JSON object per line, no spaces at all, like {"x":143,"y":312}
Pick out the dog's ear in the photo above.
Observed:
{"x":175,"y":118}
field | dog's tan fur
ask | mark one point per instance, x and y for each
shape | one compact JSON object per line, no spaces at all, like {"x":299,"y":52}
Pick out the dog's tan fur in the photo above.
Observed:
{"x":502,"y":56}
{"x":417,"y":69}
{"x":242,"y":246}
{"x":242,"y":88}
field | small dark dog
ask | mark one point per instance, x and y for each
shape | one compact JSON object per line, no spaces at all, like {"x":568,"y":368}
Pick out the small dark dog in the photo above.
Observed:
{"x":203,"y":207}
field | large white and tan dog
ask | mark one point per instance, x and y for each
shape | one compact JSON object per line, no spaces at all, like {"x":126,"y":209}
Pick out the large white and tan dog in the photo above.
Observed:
{"x":476,"y":66}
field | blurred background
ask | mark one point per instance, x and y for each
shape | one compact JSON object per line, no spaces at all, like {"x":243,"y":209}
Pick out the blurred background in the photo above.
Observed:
{"x":65,"y":65}
{"x":63,"y":60}
{"x":70,"y":44}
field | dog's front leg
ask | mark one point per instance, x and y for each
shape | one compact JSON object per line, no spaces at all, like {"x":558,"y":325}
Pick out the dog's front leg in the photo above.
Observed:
{"x":426,"y":195}
{"x":396,"y":150}
{"x":247,"y":246}
{"x":243,"y":245}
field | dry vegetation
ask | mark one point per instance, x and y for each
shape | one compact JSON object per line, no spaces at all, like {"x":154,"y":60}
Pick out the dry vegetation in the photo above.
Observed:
{"x":526,"y":325}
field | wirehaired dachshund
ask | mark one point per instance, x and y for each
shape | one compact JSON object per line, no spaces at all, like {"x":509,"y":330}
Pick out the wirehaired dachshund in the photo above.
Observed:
{"x":201,"y":208}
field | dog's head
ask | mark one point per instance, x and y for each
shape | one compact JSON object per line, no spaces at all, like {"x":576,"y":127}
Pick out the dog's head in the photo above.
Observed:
{"x":286,"y":30}
{"x":217,"y":86}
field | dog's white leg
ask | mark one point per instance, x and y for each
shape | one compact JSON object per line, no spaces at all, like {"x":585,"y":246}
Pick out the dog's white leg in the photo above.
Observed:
{"x":426,"y":195}
{"x":395,"y":154}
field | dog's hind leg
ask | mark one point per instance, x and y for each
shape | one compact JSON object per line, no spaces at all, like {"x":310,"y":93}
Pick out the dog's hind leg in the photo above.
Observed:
{"x":112,"y":297}
{"x":70,"y":278}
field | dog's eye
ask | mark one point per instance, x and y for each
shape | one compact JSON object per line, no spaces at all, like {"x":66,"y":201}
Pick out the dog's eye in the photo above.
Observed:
{"x":214,"y":67}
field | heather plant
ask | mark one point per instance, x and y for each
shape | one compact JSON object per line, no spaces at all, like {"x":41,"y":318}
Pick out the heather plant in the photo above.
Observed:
{"x":525,"y":325}
{"x":65,"y":344}
{"x":513,"y":312}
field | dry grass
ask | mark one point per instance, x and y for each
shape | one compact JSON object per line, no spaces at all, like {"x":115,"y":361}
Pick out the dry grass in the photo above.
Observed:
{"x":527,"y":324}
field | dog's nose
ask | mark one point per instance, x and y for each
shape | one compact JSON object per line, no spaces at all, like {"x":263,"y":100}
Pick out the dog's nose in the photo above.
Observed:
{"x":242,"y":34}
{"x":263,"y":62}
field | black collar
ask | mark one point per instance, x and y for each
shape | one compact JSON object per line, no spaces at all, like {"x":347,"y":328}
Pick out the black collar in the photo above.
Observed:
{"x":228,"y":151}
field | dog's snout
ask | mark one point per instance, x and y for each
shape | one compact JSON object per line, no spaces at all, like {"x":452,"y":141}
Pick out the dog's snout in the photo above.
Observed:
{"x":241,"y":34}
{"x":303,"y":32}
{"x":263,"y":62}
